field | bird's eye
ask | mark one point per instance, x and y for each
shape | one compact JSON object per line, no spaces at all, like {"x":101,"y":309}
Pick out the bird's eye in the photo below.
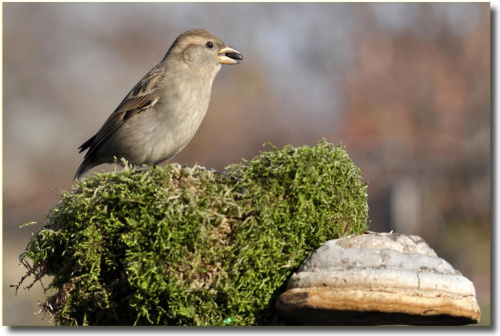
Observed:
{"x":209,"y":45}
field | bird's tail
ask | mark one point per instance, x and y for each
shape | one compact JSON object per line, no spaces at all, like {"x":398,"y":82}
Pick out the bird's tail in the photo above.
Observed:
{"x":84,"y":167}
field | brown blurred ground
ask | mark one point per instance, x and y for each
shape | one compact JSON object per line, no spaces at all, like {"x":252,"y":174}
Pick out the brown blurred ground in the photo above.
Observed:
{"x":405,"y":87}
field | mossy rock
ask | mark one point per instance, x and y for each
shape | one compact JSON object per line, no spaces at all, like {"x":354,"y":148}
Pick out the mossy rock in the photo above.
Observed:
{"x":187,"y":246}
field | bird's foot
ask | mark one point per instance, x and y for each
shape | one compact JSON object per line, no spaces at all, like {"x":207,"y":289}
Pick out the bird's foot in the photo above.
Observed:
{"x":142,"y":168}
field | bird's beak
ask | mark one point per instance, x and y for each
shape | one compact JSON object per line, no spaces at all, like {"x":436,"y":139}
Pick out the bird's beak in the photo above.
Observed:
{"x":228,"y":55}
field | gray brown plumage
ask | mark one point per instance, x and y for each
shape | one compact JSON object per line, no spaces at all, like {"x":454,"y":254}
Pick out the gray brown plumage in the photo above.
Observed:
{"x":161,"y":114}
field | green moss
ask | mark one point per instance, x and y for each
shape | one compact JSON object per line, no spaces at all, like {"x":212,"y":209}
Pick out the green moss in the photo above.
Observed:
{"x":178,"y":246}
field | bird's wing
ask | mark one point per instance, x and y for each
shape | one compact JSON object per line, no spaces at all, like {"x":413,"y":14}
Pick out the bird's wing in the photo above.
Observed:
{"x":141,"y":98}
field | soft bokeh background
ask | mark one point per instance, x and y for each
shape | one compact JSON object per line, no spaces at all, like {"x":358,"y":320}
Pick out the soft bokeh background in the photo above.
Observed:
{"x":404,"y":86}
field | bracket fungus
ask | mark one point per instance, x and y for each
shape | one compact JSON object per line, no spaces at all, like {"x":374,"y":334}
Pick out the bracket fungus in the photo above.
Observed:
{"x":378,"y":279}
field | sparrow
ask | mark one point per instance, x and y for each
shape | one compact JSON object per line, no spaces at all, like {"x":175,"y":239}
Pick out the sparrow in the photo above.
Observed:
{"x":161,"y":114}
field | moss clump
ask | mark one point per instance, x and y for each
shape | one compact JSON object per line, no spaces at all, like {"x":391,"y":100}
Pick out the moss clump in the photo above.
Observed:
{"x":179,"y":246}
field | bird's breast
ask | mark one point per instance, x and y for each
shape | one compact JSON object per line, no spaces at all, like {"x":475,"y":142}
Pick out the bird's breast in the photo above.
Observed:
{"x":177,"y":118}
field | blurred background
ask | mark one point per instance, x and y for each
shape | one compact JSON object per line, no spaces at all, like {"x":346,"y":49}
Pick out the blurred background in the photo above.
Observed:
{"x":405,"y":87}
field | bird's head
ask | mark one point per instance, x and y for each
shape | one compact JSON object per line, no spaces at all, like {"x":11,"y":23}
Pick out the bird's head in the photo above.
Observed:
{"x":201,"y":50}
